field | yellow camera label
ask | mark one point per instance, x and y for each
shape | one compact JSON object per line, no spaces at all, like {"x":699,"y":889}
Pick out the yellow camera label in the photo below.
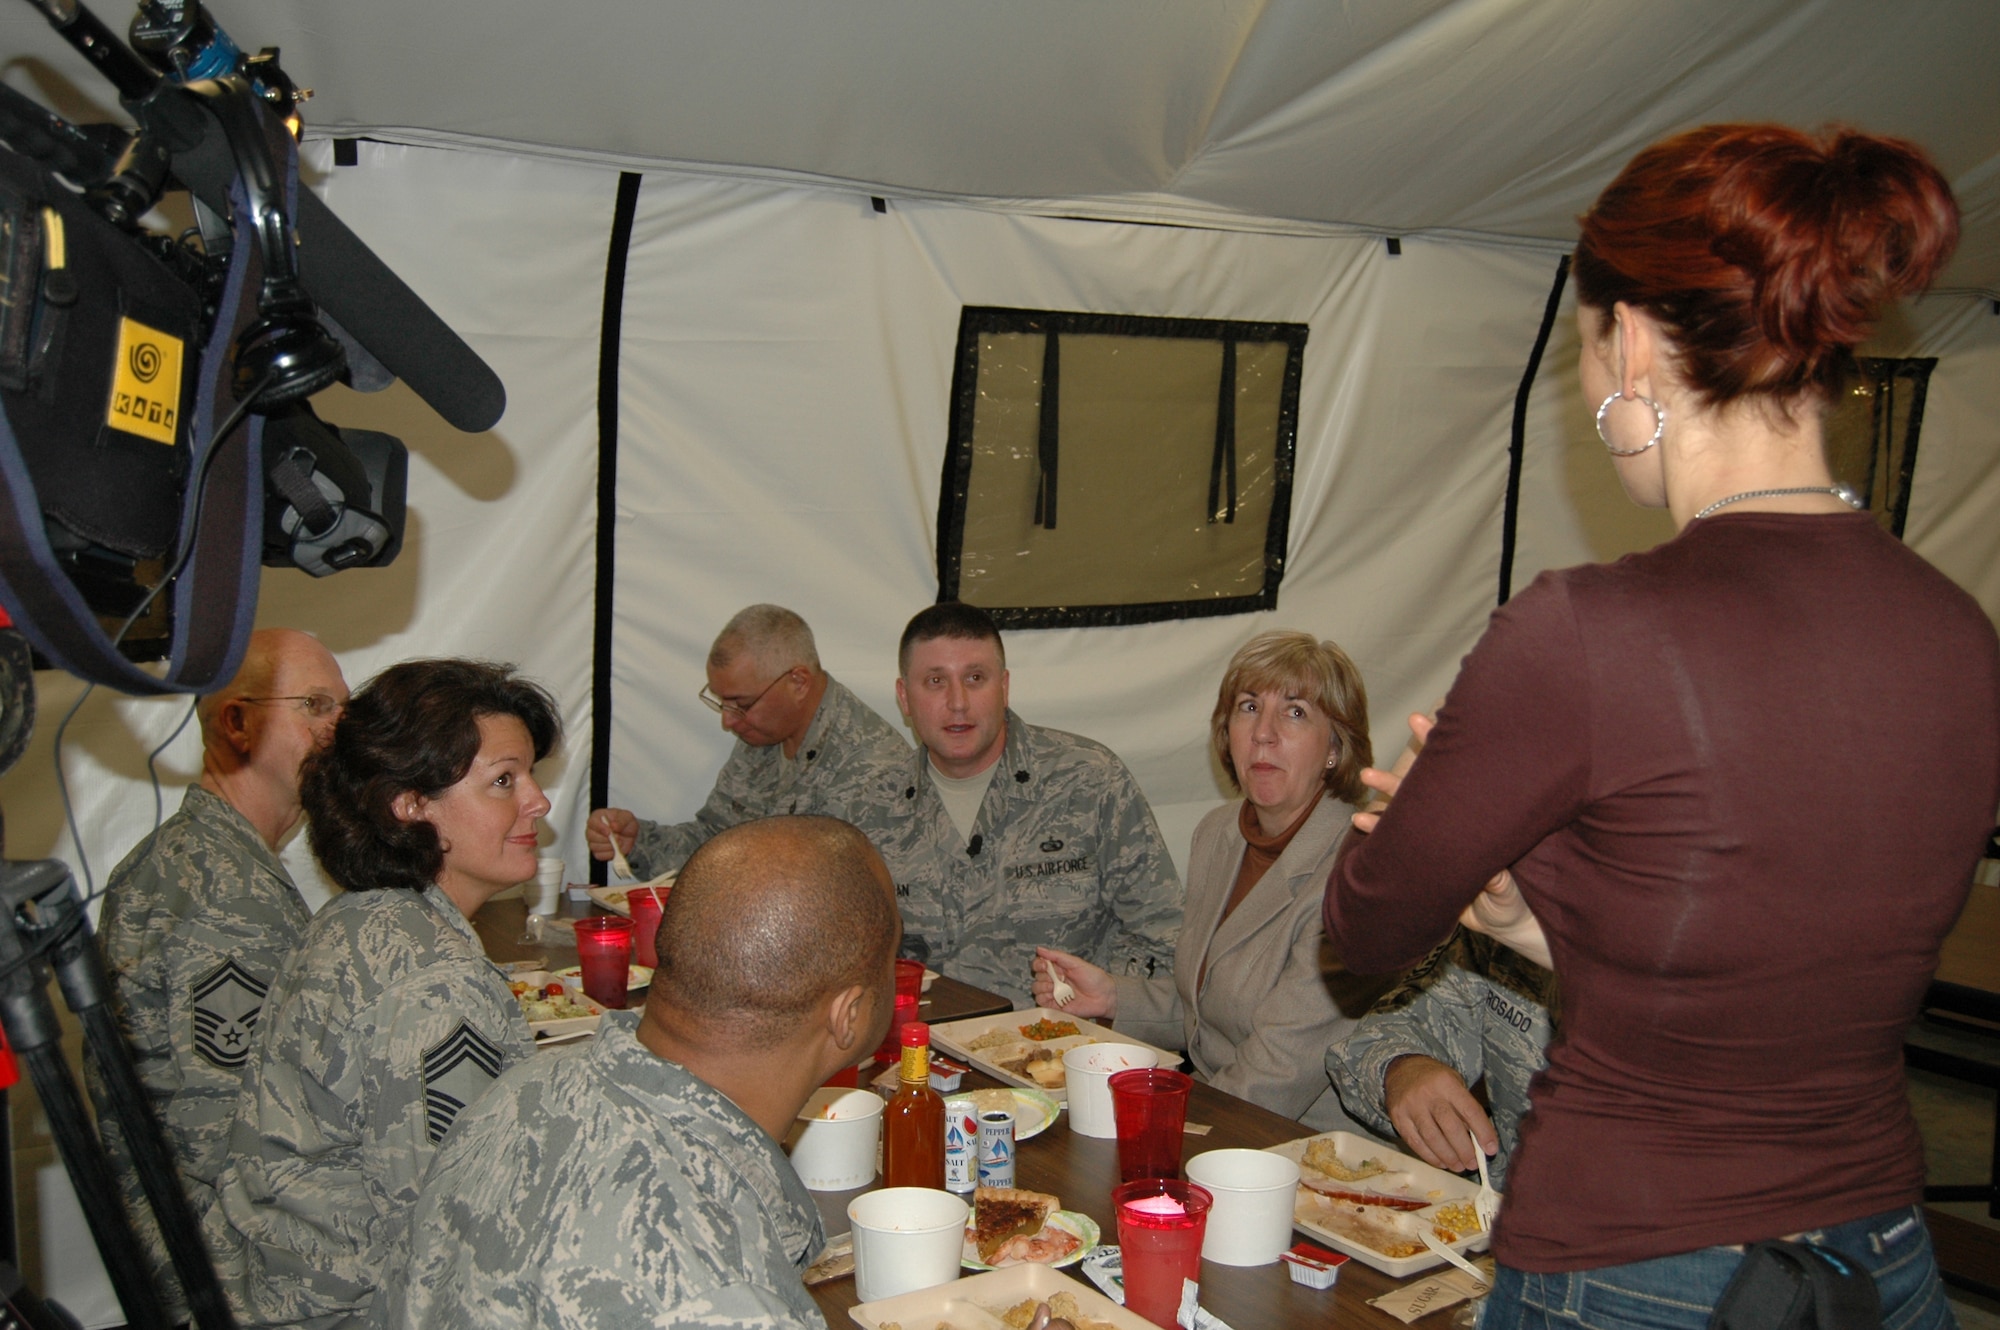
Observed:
{"x":146,"y":389}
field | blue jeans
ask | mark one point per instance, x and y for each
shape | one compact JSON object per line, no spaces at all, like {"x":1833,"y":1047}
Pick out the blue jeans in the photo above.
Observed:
{"x":1678,"y":1292}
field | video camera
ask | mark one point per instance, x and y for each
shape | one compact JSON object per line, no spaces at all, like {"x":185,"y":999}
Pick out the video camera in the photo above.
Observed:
{"x":156,"y":440}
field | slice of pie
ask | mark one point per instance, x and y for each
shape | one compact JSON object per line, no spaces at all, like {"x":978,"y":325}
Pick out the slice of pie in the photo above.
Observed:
{"x":1001,"y":1213}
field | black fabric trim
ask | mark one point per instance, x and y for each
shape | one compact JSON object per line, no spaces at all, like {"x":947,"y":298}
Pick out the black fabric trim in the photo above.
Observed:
{"x":1114,"y":616}
{"x":1224,"y":462}
{"x":610,"y":328}
{"x":1046,"y":442}
{"x":1884,"y":372}
{"x":976,"y":320}
{"x":1510,"y":516}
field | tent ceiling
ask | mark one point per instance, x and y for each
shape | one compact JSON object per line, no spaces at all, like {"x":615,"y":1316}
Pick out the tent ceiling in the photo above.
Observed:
{"x":1498,"y":117}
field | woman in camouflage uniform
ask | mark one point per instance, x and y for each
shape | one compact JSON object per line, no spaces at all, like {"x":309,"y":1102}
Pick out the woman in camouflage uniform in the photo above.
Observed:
{"x":388,"y":1020}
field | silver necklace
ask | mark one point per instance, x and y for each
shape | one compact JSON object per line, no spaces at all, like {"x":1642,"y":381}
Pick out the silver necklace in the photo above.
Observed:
{"x":1840,"y":492}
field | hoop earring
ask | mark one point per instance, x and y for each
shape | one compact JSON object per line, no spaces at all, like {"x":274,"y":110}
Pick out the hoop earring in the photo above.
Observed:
{"x":1659,"y":424}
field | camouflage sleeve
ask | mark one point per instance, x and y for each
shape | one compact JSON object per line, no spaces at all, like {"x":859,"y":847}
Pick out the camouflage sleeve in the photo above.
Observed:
{"x":664,"y":846}
{"x":1140,"y":884}
{"x":439,"y":1041}
{"x":1436,"y":1014}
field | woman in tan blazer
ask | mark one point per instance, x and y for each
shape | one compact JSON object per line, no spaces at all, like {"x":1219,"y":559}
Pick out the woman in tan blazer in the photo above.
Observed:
{"x":1256,"y":996}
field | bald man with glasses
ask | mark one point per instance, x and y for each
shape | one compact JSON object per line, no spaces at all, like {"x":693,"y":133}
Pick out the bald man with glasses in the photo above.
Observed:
{"x":200,"y":914}
{"x":804,"y":743}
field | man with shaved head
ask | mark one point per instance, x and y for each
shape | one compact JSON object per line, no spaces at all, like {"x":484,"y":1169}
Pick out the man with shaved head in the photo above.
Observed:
{"x":637,"y":1181}
{"x":804,"y":744}
{"x":201,"y":912}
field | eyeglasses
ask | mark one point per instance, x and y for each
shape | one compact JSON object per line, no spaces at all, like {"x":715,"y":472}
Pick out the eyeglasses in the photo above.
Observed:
{"x":320,"y":706}
{"x":723,"y":706}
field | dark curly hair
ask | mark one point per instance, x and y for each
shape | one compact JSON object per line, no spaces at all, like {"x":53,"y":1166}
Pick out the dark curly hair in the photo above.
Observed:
{"x":412,"y":728}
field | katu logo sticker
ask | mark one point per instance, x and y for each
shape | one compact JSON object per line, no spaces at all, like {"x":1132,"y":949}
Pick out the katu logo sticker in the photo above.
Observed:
{"x":146,"y":385}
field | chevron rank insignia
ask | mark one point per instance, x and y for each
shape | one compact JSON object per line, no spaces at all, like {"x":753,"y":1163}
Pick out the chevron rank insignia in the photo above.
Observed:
{"x":227,"y":1001}
{"x":457,"y":1070}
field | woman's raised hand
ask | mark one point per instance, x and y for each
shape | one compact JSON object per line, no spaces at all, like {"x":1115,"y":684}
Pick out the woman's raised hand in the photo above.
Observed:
{"x":1386,"y":783}
{"x":1096,"y":991}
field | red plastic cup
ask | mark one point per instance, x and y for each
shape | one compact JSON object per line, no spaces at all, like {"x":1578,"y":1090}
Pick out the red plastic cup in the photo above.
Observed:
{"x":646,"y":904}
{"x":1149,"y":1105}
{"x":604,"y":952}
{"x":1161,"y":1223}
{"x":909,"y":992}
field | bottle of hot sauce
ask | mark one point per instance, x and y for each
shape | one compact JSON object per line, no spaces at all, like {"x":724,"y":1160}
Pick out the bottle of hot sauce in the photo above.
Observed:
{"x":913,"y":1123}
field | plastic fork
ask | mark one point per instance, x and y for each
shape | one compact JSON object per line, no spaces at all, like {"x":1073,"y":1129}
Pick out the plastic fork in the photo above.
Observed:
{"x":1486,"y":1204}
{"x":1063,"y":993}
{"x":1430,"y":1240}
{"x":617,"y":855}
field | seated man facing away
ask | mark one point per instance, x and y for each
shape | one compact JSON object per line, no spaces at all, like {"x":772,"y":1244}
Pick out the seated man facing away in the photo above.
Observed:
{"x":637,"y":1180}
{"x":201,"y":913}
{"x":1472,"y":1008}
{"x":1003,"y":835}
{"x":804,"y":744}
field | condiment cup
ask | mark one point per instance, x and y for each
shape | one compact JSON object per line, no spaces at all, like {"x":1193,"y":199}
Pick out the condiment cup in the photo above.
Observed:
{"x":1087,"y":1071}
{"x":905,"y":1238}
{"x":1255,"y":1193}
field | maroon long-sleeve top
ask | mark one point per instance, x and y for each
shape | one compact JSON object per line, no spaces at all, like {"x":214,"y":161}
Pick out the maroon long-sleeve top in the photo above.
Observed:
{"x":1743,"y":780}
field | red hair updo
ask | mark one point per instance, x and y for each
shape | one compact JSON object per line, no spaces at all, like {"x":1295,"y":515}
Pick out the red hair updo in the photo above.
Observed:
{"x":1766,"y":253}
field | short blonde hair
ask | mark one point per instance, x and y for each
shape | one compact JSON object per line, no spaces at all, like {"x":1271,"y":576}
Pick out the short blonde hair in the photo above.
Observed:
{"x":1288,"y":661}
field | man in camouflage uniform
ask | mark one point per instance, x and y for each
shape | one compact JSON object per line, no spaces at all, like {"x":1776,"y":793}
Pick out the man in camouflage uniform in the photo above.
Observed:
{"x":1003,"y":835}
{"x":637,"y":1181}
{"x":1473,"y":1008}
{"x":201,"y":913}
{"x":385,"y":1022}
{"x":804,"y":743}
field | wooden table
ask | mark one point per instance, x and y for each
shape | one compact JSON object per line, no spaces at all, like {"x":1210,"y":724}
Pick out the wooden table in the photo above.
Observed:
{"x":1083,"y":1169}
{"x":502,"y":929}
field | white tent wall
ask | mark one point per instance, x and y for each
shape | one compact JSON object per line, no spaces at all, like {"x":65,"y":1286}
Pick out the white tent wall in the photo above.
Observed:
{"x":784,"y":374}
{"x":784,"y":384}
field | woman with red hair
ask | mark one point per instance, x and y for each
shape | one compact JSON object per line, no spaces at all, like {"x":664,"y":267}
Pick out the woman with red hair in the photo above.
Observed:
{"x":1739,"y":782}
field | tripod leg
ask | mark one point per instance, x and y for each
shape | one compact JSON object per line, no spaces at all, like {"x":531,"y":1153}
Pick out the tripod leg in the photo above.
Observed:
{"x":80,"y":973}
{"x":178,"y":1224}
{"x":83,"y":1157}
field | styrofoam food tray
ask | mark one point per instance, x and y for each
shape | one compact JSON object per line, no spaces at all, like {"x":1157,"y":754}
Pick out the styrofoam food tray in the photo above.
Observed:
{"x":1418,"y":1179}
{"x":544,"y":1031}
{"x":975,"y":1302}
{"x":955,"y":1036}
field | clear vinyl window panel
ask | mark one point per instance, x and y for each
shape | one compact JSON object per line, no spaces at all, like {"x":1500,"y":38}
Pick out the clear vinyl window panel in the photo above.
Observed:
{"x":1106,"y":469}
{"x":1871,"y":434}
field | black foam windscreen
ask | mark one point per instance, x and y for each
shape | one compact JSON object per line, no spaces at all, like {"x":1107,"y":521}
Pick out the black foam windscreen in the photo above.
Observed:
{"x":373,"y":305}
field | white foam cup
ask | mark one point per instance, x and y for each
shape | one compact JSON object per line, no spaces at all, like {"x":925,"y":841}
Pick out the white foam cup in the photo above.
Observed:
{"x":905,"y":1238}
{"x":835,"y":1149}
{"x":1087,"y":1070}
{"x":1255,"y":1192}
{"x":548,"y":885}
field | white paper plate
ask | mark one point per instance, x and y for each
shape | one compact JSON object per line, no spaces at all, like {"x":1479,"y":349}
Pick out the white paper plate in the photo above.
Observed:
{"x":640,"y":976}
{"x":1069,"y":1221}
{"x":1033,"y":1109}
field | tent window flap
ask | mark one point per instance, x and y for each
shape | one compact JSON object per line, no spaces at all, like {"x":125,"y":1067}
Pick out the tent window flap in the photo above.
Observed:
{"x":1113,"y":469}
